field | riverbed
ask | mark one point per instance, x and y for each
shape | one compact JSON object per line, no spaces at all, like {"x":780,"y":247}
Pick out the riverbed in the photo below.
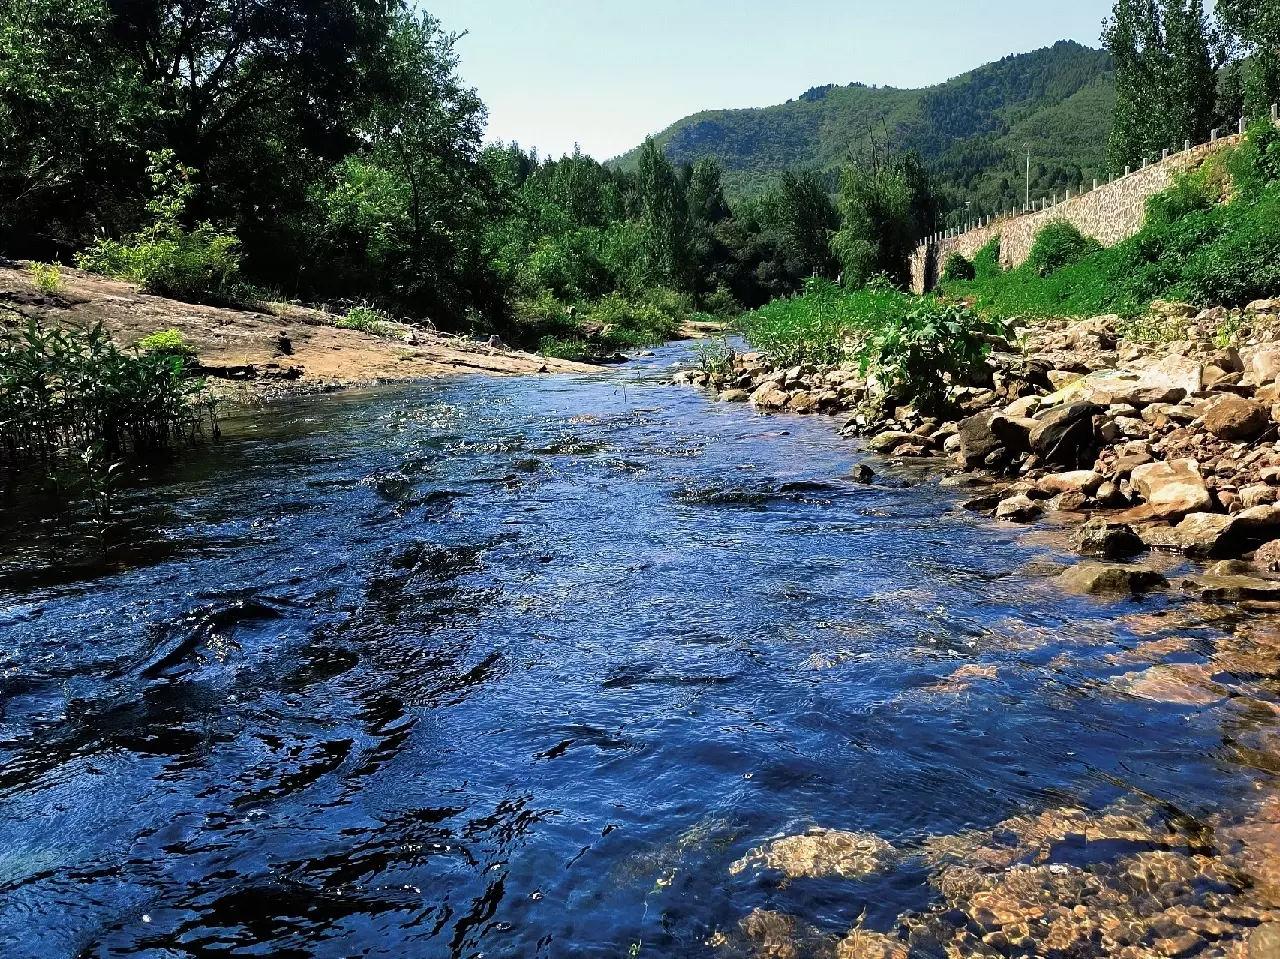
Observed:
{"x":584,"y":667}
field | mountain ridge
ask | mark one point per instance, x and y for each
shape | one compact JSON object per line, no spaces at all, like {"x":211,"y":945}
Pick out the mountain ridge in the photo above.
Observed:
{"x":967,"y":130}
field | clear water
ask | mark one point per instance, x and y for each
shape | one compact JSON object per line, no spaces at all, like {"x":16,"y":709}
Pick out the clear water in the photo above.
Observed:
{"x":522,"y":667}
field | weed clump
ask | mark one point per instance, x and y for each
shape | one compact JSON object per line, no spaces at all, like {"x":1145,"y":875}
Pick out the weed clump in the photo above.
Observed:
{"x":48,"y":277}
{"x":167,"y":343}
{"x":68,"y":395}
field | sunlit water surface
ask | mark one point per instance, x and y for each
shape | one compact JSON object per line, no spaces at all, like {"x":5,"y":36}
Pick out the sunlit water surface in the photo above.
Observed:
{"x":524,"y":667}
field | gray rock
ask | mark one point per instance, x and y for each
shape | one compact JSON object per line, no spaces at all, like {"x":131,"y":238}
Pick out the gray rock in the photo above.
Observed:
{"x":1107,"y":540}
{"x":1065,"y":436}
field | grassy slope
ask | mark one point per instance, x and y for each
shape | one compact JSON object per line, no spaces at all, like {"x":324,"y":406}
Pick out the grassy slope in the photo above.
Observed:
{"x":968,"y":129}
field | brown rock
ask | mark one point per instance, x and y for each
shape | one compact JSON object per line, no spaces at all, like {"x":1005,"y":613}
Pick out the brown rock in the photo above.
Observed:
{"x":1077,"y":481}
{"x":889,"y":441}
{"x":1235,"y":418}
{"x":770,"y":396}
{"x":1173,"y":489}
{"x":1268,"y":555}
{"x":1258,"y":495}
{"x":734,"y":396}
{"x":1019,"y":509}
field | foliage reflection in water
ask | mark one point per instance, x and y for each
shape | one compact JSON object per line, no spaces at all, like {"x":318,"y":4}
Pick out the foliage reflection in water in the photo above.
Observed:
{"x":593,"y":667}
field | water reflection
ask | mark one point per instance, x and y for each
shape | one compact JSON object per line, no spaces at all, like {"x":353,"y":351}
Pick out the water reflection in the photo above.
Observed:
{"x":597,"y":668}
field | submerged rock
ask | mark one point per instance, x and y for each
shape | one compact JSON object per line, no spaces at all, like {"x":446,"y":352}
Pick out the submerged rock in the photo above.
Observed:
{"x":821,"y":852}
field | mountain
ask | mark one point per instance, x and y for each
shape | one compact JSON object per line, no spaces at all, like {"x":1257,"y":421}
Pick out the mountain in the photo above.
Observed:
{"x":969,"y":131}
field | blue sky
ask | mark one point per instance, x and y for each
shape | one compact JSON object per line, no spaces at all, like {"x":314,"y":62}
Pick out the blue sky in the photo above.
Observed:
{"x":604,"y":73}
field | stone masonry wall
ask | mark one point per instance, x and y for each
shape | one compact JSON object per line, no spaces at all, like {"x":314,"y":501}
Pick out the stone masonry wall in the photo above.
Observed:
{"x":1113,"y":212}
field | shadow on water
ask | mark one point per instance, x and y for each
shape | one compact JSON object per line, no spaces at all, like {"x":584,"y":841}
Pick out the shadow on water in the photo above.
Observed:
{"x":593,"y":667}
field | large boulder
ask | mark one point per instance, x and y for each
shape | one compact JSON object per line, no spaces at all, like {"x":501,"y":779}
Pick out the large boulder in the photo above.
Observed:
{"x":1102,"y":578}
{"x":1172,"y":489}
{"x":1236,"y":418}
{"x":1107,"y":540}
{"x":1217,"y":535}
{"x":1065,"y":436}
{"x":988,"y":433}
{"x":1265,"y":366}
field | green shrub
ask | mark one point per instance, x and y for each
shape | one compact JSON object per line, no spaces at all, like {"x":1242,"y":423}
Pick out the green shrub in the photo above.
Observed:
{"x":1057,"y":245}
{"x":1255,"y":164}
{"x":913,"y":346}
{"x":73,"y":396}
{"x":986,"y":262}
{"x":167,"y":343}
{"x":166,"y":258}
{"x":958,"y":267}
{"x":915,"y":353}
{"x":48,"y":277}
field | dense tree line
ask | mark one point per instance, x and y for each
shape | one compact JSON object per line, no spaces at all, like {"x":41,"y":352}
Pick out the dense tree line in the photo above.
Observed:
{"x":1180,"y":72}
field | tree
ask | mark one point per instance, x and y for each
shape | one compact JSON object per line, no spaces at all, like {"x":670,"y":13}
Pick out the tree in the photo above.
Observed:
{"x":808,"y":219}
{"x":1166,"y":77}
{"x":664,"y":219}
{"x":706,"y":192}
{"x":1254,"y":26}
{"x":877,"y":232}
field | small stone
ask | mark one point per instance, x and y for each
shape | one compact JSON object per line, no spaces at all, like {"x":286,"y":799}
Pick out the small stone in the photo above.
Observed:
{"x":734,"y":396}
{"x":1019,"y":509}
{"x":1258,"y":495}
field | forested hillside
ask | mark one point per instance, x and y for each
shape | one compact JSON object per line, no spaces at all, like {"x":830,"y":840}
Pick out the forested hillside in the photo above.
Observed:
{"x":970,"y":131}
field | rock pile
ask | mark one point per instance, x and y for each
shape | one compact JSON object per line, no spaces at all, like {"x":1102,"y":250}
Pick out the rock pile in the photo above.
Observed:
{"x":1155,"y":445}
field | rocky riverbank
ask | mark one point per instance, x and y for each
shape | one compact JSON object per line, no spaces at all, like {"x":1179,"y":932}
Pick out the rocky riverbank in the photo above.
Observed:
{"x":1157,"y":435}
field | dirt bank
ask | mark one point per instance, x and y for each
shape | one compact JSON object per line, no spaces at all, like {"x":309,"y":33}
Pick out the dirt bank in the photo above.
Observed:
{"x":290,"y":349}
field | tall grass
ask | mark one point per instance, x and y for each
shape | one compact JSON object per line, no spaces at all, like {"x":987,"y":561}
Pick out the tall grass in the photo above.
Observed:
{"x":73,"y":396}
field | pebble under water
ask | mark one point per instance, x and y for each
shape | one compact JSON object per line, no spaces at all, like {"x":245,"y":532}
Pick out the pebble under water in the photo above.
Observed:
{"x":595,"y":667}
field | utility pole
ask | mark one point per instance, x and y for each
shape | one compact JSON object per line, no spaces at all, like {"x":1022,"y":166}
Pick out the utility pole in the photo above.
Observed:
{"x":1028,"y":206}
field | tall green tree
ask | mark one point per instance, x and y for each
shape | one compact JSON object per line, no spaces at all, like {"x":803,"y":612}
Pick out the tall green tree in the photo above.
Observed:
{"x":1254,"y":26}
{"x":1166,"y":77}
{"x":664,"y":219}
{"x":877,"y":231}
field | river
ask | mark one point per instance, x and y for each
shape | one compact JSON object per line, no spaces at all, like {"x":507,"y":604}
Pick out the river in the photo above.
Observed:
{"x":554,"y":666}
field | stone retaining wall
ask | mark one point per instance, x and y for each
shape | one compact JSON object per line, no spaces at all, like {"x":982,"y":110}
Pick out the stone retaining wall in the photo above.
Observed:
{"x":1113,"y":212}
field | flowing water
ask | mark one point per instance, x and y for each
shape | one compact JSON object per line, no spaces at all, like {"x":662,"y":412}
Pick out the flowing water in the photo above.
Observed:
{"x":583,"y":667}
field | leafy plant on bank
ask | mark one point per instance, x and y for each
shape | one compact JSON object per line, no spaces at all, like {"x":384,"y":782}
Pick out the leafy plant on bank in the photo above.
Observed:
{"x":64,"y":392}
{"x":166,"y":258}
{"x":913,"y":347}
